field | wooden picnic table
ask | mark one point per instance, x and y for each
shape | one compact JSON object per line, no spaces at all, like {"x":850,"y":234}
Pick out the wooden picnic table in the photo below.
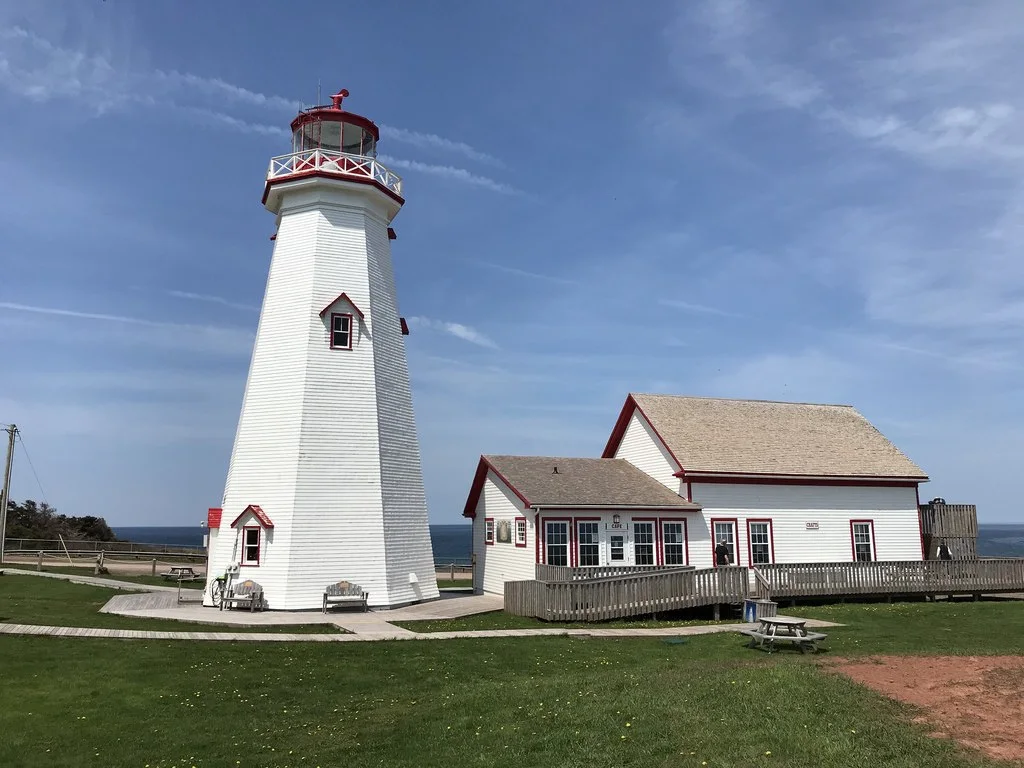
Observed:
{"x":790,"y":629}
{"x":181,"y":573}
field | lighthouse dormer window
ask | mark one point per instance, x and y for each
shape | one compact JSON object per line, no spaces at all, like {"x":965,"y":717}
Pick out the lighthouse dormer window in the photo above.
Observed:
{"x":341,"y":330}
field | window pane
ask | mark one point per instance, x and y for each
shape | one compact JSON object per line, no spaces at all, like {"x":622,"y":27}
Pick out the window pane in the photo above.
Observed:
{"x":617,"y":548}
{"x":589,"y":548}
{"x":725,"y":533}
{"x":556,"y":543}
{"x":674,"y":543}
{"x":760,"y":544}
{"x":643,"y":543}
{"x":520,"y":531}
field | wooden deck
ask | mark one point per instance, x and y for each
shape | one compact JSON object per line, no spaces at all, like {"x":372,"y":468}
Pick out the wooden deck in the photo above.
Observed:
{"x":598,"y":594}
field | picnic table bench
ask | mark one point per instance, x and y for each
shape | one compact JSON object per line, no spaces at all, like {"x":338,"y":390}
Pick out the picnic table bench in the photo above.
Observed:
{"x":783,"y":629}
{"x":345,"y":592}
{"x":181,"y":573}
{"x":247,"y":593}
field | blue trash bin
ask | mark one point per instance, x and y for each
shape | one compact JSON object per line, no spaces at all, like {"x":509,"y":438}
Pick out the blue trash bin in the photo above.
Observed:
{"x":750,"y":611}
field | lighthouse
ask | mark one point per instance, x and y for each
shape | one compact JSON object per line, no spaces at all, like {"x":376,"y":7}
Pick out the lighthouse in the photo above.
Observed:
{"x":325,"y":483}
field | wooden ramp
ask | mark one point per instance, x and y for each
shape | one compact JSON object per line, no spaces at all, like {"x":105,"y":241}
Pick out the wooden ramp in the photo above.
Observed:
{"x":577,"y":598}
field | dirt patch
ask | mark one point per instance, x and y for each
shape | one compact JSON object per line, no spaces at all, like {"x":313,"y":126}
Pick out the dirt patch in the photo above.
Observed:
{"x":977,"y":700}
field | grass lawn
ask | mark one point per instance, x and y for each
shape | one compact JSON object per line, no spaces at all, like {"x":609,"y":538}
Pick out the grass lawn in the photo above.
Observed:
{"x":127,"y":577}
{"x":486,"y":702}
{"x":446,"y":583}
{"x":54,"y":602}
{"x":502,"y":620}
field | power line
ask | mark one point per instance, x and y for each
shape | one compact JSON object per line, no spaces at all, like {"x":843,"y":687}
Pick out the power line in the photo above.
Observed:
{"x":32,"y":467}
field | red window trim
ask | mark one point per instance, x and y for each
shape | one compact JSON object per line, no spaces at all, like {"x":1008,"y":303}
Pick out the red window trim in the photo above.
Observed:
{"x":686,"y":537}
{"x":576,"y":536}
{"x":853,"y":541}
{"x":771,"y":539}
{"x":537,"y":534}
{"x":526,"y":532}
{"x":259,"y":547}
{"x":351,"y":328}
{"x":489,"y":521}
{"x":657,"y":538}
{"x":736,"y":532}
{"x":569,"y":537}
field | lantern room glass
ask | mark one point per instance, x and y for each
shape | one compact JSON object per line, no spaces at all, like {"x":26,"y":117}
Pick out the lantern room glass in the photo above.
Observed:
{"x":334,"y":136}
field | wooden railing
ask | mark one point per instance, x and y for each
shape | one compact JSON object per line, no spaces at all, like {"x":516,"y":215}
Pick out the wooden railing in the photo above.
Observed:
{"x":762,"y":587}
{"x":586,"y":573}
{"x":914,"y":577}
{"x":634,"y":594}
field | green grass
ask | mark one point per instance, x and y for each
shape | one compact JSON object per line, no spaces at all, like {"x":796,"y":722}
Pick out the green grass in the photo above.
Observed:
{"x":446,"y":583}
{"x":502,"y":620}
{"x":59,"y":603}
{"x":126,"y":577}
{"x":487,"y":702}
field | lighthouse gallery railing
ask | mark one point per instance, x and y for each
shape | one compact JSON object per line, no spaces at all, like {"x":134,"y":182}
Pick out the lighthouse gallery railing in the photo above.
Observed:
{"x":340,"y":163}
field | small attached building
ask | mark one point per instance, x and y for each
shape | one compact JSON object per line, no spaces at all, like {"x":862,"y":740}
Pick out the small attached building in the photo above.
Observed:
{"x":775,"y":482}
{"x":575,"y":512}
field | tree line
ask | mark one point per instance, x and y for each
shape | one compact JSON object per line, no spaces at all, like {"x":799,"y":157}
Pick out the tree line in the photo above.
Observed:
{"x":29,"y":520}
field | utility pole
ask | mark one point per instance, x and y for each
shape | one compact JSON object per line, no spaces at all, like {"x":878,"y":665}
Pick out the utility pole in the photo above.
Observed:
{"x":5,"y":492}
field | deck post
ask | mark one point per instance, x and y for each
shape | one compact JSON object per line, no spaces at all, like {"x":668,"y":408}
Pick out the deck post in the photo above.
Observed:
{"x":977,"y":596}
{"x":39,"y":561}
{"x":718,"y":612}
{"x":153,"y":567}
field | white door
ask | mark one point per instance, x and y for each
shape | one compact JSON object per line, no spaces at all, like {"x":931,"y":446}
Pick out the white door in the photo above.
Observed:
{"x":617,"y":548}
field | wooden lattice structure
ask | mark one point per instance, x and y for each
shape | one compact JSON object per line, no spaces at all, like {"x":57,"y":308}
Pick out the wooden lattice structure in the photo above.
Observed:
{"x":955,"y":525}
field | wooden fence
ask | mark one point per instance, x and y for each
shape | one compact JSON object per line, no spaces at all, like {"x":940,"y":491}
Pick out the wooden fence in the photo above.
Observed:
{"x":913,"y":577}
{"x":634,"y":594}
{"x":568,"y":596}
{"x":955,"y":525}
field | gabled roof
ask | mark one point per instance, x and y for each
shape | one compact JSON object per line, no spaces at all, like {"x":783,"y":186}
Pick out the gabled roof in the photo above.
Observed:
{"x":605,"y":483}
{"x":342,"y":297}
{"x":256,"y":512}
{"x":711,"y":436}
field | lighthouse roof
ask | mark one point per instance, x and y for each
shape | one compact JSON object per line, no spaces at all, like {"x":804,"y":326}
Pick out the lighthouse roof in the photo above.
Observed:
{"x":335,"y":113}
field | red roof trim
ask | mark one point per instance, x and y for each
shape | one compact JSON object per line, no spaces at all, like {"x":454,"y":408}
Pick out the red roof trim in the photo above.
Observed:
{"x":391,"y":234}
{"x":619,"y":431}
{"x":338,"y":298}
{"x":213,"y":517}
{"x":478,"y":486}
{"x":330,"y":175}
{"x":404,"y":326}
{"x":258,"y":513}
{"x":766,"y":479}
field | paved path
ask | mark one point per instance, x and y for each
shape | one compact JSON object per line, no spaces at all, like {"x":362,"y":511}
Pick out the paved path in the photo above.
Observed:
{"x":137,"y":634}
{"x":97,"y":581}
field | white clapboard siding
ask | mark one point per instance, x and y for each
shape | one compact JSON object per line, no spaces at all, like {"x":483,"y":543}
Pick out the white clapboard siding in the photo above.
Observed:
{"x":497,"y":563}
{"x":326,"y":443}
{"x":893,"y":512}
{"x":642,"y":448}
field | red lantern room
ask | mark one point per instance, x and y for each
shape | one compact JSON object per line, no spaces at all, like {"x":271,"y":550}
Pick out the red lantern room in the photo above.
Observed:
{"x":331,"y":128}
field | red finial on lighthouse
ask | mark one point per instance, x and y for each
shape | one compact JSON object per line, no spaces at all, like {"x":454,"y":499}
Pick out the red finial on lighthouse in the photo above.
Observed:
{"x":336,"y":99}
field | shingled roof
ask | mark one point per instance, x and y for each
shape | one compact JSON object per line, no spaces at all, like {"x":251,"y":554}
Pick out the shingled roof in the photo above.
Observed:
{"x":606,"y":483}
{"x":756,"y":437}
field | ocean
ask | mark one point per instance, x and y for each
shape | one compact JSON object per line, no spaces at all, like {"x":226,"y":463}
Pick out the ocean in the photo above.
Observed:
{"x":452,"y":543}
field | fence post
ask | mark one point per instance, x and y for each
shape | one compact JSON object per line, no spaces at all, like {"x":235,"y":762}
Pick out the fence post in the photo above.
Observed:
{"x":451,"y":572}
{"x":39,"y":561}
{"x":153,"y":567}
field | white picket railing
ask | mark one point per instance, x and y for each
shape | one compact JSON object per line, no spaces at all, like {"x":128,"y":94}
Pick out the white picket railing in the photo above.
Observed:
{"x":335,"y":163}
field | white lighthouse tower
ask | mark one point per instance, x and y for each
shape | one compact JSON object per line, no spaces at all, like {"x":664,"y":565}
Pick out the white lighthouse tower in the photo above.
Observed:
{"x":325,"y":483}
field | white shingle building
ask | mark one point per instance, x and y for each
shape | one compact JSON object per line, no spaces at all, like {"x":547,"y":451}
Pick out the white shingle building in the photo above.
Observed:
{"x":325,"y":481}
{"x":772,"y":482}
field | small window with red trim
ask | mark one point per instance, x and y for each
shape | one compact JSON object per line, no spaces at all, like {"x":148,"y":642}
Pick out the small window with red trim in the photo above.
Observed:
{"x":520,"y":531}
{"x":250,"y":546}
{"x":489,"y":530}
{"x":341,"y":330}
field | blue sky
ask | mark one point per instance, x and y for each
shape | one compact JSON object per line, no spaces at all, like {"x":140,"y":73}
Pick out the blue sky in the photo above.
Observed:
{"x":777,"y":200}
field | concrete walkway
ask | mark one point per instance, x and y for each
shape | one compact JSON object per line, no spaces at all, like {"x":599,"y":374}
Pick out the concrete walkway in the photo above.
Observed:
{"x":138,"y":634}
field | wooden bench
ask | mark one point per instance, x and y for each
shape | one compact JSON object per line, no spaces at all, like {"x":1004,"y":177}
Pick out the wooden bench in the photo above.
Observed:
{"x":247,"y":593}
{"x":804,"y":642}
{"x":345,"y":592}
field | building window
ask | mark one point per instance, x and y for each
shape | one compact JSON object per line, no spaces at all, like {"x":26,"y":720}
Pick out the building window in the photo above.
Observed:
{"x":617,"y":548}
{"x":759,"y":538}
{"x":556,"y":543}
{"x":520,"y":531}
{"x":863,"y":532}
{"x":489,"y":530}
{"x":588,"y":545}
{"x":724,"y":542}
{"x":673,"y":538}
{"x":250,"y":546}
{"x":341,"y":331}
{"x":643,"y":543}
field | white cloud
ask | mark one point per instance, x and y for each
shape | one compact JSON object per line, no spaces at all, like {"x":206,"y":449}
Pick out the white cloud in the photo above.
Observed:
{"x":450,"y":172}
{"x":212,"y":300}
{"x":698,"y":308}
{"x":458,"y":330}
{"x":523,"y":273}
{"x":433,"y":141}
